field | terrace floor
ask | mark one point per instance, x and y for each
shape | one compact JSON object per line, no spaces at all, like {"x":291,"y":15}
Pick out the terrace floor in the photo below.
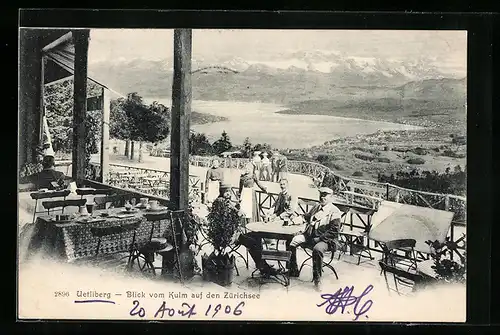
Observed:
{"x":41,"y":277}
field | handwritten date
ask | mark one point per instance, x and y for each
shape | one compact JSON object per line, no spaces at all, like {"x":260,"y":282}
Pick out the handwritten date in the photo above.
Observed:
{"x":187,"y":310}
{"x":343,"y":298}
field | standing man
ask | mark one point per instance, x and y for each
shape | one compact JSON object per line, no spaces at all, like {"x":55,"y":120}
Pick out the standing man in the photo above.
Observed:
{"x":320,"y":234}
{"x":265,"y":173}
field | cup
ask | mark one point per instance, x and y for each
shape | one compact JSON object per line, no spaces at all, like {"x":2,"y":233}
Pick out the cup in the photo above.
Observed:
{"x":153,"y":204}
{"x":83,"y":210}
{"x":90,"y":208}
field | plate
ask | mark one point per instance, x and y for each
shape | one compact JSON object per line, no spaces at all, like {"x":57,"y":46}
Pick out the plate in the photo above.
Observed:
{"x":159,"y":209}
{"x":132,"y":211}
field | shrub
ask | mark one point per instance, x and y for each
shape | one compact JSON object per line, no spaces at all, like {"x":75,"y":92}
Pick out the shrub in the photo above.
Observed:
{"x":337,"y":167}
{"x":419,"y":151}
{"x":364,"y":157}
{"x":416,"y":160}
{"x":383,"y":160}
{"x":324,"y":158}
{"x":453,"y":154}
{"x":357,"y":174}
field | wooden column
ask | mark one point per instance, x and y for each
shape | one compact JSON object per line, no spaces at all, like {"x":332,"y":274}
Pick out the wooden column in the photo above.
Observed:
{"x":42,"y":101}
{"x":81,"y":40}
{"x":106,"y":106}
{"x":181,"y":114}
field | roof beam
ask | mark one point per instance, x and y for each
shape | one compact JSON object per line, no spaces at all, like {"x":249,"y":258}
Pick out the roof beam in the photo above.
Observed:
{"x":61,"y":40}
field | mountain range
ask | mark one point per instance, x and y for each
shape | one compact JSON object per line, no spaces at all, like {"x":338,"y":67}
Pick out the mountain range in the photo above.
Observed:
{"x":292,"y":77}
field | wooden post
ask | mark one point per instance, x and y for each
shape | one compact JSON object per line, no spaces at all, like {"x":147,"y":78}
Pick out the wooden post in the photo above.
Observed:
{"x":106,"y":107}
{"x":42,"y":101}
{"x":81,"y":40}
{"x":181,"y":114}
{"x":447,"y":203}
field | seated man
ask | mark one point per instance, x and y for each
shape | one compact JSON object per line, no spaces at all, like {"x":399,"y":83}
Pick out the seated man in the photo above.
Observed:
{"x":29,"y":170}
{"x":48,"y":176}
{"x":320,"y":234}
{"x":285,"y":205}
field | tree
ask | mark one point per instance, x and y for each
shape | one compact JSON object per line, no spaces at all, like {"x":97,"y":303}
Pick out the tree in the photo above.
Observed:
{"x":118,"y":123}
{"x":247,"y":148}
{"x":199,"y":144}
{"x":262,"y":147}
{"x":135,"y":121}
{"x":59,"y":113}
{"x":222,"y":144}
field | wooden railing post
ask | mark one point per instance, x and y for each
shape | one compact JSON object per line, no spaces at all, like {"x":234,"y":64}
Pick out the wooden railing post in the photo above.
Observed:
{"x":447,"y":203}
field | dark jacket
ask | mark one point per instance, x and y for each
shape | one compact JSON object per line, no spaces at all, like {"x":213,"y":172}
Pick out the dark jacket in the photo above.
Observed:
{"x":44,"y":178}
{"x":323,"y":223}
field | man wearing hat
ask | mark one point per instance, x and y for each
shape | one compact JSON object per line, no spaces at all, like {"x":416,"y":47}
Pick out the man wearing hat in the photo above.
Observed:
{"x":46,"y":177}
{"x":320,"y":234}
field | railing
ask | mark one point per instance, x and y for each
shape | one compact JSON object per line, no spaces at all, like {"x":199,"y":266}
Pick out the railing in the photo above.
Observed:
{"x":360,"y":191}
{"x":321,"y":175}
{"x":266,"y":201}
{"x":144,"y":180}
{"x":363,"y":192}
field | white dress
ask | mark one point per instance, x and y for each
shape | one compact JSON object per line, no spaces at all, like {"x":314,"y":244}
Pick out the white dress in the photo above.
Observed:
{"x":247,"y":202}
{"x":213,"y":190}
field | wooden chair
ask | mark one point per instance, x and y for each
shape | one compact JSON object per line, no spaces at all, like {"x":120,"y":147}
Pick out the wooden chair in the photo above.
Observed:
{"x":109,"y":232}
{"x":355,"y":239}
{"x":49,"y":205}
{"x":283,"y":259}
{"x":168,"y":248}
{"x":47,"y":195}
{"x":404,"y":278}
{"x":391,"y":257}
{"x":93,"y":191}
{"x":329,"y":256}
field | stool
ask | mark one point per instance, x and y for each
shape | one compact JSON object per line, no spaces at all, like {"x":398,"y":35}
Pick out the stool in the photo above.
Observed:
{"x":281,"y":257}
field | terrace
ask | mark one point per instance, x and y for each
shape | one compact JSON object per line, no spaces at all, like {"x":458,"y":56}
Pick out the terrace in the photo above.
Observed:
{"x":176,"y":188}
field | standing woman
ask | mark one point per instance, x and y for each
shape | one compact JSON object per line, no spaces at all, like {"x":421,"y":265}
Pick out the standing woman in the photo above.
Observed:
{"x":248,"y":196}
{"x":213,"y":181}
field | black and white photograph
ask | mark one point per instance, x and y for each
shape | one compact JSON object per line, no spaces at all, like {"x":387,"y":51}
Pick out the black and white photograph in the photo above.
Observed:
{"x":242,"y":174}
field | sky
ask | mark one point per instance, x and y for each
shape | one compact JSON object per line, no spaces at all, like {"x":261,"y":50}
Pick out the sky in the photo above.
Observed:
{"x":448,"y":47}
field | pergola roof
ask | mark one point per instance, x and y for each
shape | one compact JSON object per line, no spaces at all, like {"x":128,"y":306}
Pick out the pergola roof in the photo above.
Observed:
{"x":59,"y":50}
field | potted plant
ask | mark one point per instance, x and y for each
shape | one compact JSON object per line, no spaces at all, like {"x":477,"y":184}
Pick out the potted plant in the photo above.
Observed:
{"x":447,"y":270}
{"x":223,"y":221}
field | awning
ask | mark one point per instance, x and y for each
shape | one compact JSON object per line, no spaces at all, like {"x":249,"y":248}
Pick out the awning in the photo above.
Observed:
{"x":60,"y":63}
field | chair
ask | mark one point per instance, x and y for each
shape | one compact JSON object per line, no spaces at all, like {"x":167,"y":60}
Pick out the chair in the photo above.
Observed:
{"x":49,"y":205}
{"x":403,"y":278}
{"x":109,"y":231}
{"x":169,"y":250}
{"x":47,"y":195}
{"x":281,"y":257}
{"x":354,"y":239}
{"x":93,"y":191}
{"x":329,"y":254}
{"x":392,"y":258}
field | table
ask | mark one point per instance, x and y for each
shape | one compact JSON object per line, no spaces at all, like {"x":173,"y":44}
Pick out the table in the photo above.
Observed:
{"x":274,"y":230}
{"x":414,"y":222}
{"x":73,"y":240}
{"x":425,"y":268}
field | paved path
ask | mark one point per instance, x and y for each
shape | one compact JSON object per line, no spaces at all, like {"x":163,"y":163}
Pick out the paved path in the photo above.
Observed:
{"x":300,"y":185}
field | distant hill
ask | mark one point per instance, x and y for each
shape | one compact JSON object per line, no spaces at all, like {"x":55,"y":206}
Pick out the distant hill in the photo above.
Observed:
{"x":293,"y":78}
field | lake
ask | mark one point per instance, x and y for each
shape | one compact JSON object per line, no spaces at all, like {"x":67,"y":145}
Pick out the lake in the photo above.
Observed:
{"x":261,"y":123}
